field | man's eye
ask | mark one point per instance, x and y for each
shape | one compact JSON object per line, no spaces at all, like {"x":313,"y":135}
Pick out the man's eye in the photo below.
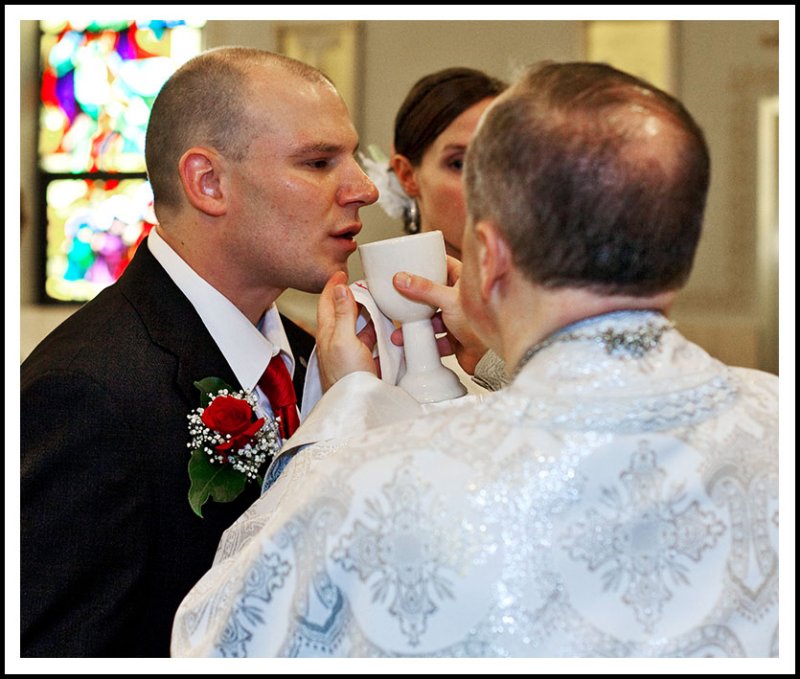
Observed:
{"x":319,"y":163}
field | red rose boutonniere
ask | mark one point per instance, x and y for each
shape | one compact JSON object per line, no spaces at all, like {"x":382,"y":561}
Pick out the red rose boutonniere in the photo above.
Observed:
{"x":229,"y":443}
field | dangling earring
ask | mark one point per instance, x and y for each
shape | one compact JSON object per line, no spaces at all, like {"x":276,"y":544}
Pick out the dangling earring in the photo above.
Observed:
{"x":411,"y":217}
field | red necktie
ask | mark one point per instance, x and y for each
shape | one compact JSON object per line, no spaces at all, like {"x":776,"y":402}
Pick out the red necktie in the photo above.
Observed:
{"x":276,"y":383}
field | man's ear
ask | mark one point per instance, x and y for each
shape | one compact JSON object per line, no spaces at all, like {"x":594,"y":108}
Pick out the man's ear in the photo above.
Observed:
{"x":201,"y":175}
{"x":404,"y":171}
{"x":494,"y":259}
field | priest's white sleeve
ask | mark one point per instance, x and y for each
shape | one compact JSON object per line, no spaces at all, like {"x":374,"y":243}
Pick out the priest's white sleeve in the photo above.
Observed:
{"x":357,"y":402}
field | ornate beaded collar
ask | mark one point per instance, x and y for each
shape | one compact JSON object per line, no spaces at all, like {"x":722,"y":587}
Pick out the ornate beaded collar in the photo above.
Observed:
{"x":633,"y":341}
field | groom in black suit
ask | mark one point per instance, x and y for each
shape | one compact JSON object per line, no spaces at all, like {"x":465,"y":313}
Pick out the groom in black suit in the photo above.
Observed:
{"x":251,"y":160}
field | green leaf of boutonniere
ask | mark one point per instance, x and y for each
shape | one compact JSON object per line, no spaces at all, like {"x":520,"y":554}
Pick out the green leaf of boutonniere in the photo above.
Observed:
{"x":219,"y":482}
{"x":209,"y":387}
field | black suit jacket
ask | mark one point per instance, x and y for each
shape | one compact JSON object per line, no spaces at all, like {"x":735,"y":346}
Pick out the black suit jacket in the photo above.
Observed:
{"x":109,"y":544}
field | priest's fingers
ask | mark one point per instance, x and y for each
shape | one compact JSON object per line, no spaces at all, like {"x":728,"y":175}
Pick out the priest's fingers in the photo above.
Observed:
{"x":444,"y":346}
{"x":438,"y":323}
{"x":422,"y":289}
{"x":368,"y":335}
{"x":326,"y":307}
{"x":339,"y":349}
{"x":465,"y":342}
{"x":443,"y":341}
{"x":453,"y":270}
{"x":369,"y":338}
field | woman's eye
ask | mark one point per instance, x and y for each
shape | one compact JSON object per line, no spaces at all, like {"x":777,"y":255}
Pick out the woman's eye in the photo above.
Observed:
{"x":456,"y":164}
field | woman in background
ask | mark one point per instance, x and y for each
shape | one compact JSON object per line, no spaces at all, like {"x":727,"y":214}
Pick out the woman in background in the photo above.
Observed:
{"x":421,"y":181}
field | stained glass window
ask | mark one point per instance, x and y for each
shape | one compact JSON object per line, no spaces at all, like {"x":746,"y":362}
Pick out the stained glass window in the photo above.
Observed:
{"x":98,"y":83}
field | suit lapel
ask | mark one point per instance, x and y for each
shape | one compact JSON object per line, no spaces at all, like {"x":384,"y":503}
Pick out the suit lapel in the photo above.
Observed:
{"x":173,"y":323}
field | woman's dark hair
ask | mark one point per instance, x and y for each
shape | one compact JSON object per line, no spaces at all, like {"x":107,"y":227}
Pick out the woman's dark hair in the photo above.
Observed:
{"x":434,"y":102}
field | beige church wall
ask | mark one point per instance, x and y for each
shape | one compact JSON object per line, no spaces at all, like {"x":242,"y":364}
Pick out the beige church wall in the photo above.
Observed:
{"x":722,"y":69}
{"x":725,"y":68}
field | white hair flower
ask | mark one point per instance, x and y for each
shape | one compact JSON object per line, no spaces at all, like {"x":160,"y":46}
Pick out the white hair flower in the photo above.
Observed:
{"x":391,"y":198}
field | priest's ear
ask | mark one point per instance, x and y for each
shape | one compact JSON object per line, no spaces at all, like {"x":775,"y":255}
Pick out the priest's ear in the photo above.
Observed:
{"x":494,"y":259}
{"x":201,"y":173}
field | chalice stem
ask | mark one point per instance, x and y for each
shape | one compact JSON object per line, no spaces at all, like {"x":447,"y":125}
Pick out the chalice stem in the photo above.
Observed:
{"x":419,"y":344}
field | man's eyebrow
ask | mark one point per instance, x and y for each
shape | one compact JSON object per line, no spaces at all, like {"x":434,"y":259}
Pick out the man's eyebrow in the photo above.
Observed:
{"x":318,"y":147}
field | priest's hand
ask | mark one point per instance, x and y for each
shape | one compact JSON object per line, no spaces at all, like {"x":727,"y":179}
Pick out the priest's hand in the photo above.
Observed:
{"x":340,"y":350}
{"x":459,"y":337}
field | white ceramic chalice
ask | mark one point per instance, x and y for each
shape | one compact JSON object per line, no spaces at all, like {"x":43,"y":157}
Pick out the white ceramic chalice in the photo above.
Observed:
{"x":426,"y":379}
